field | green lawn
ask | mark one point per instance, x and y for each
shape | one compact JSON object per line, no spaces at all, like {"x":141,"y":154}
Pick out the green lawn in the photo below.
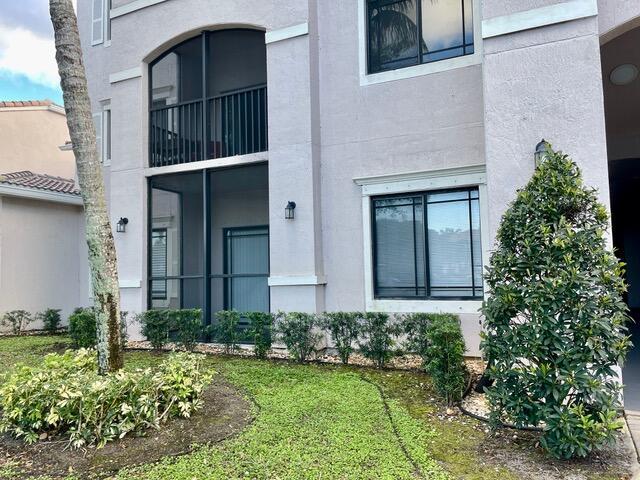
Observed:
{"x":315,"y":422}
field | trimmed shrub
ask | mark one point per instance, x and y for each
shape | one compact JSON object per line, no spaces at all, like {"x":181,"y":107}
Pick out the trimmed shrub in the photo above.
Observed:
{"x":377,"y":337}
{"x":259,"y":332}
{"x":226,"y":330}
{"x":444,"y":355}
{"x":297,"y":331}
{"x":82,"y":327}
{"x":188,"y":327}
{"x":50,"y":319}
{"x":555,"y":319}
{"x":415,"y":327}
{"x":17,"y":320}
{"x":66,"y":396}
{"x":155,"y":327}
{"x":344,"y":330}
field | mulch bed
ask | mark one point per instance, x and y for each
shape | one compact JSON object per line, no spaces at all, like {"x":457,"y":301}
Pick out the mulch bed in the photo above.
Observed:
{"x":225,"y":413}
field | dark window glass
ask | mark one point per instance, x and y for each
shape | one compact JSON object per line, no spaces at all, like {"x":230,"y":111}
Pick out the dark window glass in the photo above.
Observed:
{"x":447,"y":265}
{"x":409,"y":32}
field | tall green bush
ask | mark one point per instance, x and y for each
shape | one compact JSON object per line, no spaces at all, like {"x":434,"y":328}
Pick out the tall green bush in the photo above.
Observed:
{"x":299,"y":333}
{"x":50,"y":319}
{"x":344,"y":330}
{"x":444,"y":356}
{"x":415,"y":327}
{"x":82,"y":327}
{"x":17,"y":320}
{"x":259,"y":332}
{"x":188,"y":327}
{"x":555,"y":319}
{"x":378,"y":337}
{"x":226,"y":330}
{"x":155,"y":327}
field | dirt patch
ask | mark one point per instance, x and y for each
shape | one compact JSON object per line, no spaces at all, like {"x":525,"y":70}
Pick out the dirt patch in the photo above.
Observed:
{"x":225,"y":412}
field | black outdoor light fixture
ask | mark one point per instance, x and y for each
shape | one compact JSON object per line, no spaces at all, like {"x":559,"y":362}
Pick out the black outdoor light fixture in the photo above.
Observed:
{"x":542,"y":152}
{"x":121,"y":226}
{"x":289,"y":210}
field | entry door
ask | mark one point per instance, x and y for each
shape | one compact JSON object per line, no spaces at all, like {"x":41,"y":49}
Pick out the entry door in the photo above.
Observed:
{"x":246,"y":269}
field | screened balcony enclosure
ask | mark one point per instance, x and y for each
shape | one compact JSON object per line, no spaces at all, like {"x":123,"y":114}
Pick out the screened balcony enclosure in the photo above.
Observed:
{"x":209,"y":241}
{"x":208,"y":98}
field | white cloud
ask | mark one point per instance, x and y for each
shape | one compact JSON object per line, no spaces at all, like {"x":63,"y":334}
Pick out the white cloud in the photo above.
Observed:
{"x":22,"y":52}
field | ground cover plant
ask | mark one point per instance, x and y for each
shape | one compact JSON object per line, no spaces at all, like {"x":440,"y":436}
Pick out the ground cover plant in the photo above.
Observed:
{"x":555,"y":318}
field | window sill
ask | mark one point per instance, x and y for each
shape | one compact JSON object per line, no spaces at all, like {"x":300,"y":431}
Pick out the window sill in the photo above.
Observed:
{"x":420,"y":70}
{"x":426,"y":306}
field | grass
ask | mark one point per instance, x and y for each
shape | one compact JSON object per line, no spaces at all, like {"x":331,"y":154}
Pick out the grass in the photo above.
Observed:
{"x":315,"y":422}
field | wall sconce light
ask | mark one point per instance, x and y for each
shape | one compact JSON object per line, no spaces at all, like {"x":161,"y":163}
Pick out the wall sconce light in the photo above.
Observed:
{"x":121,"y":226}
{"x":542,"y":152}
{"x":289,"y":213}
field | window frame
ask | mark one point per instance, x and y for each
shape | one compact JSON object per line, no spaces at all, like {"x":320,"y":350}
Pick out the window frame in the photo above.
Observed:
{"x":420,"y":69}
{"x":412,"y":182}
{"x":424,"y":202}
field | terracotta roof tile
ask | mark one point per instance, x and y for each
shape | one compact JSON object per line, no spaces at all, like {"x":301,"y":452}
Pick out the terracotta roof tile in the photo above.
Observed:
{"x":26,"y":103}
{"x":40,"y":181}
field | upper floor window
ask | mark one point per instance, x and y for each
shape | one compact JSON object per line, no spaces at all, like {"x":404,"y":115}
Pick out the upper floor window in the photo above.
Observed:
{"x":208,"y":98}
{"x":402,"y":33}
{"x":100,"y":22}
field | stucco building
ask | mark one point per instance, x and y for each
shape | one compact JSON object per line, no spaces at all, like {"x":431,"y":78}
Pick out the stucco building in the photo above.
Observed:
{"x":43,"y":254}
{"x":400,"y":129}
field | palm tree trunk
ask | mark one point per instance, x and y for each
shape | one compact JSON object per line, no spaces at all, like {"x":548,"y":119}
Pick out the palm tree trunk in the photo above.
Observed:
{"x":102,"y":251}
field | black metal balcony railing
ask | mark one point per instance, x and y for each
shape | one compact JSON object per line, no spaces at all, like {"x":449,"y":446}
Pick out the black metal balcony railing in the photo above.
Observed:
{"x":233,"y":124}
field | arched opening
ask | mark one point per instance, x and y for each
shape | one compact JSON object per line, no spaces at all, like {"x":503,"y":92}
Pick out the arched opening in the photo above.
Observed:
{"x":621,"y":85}
{"x":208,"y":98}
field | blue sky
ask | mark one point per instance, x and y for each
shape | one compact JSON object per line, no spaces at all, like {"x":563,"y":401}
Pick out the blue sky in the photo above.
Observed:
{"x":28,"y":68}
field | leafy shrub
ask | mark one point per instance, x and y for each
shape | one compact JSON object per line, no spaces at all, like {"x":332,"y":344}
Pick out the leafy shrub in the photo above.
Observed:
{"x":296,"y":329}
{"x":259,"y":332}
{"x":415,"y":327}
{"x":555,"y":319}
{"x":226,"y":330}
{"x":377,"y":331}
{"x":82,"y":327}
{"x":188,"y":327}
{"x":344,"y":330}
{"x":155,"y":327}
{"x":17,"y":320}
{"x":444,"y":355}
{"x":50,"y":319}
{"x":66,"y":396}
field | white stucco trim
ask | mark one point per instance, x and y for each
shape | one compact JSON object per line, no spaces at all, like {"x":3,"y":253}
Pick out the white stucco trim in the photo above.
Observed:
{"x":295,"y":280}
{"x":123,"y":75}
{"x":237,"y":160}
{"x":130,"y":283}
{"x":539,"y":17}
{"x":416,"y":70}
{"x":286,"y":33}
{"x":16,"y":191}
{"x":132,"y":7}
{"x":473,"y":175}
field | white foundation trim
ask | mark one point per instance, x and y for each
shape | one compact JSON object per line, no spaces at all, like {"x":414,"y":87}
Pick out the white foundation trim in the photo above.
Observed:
{"x":15,"y":191}
{"x":130,"y":283}
{"x":539,"y":17}
{"x":286,"y":33}
{"x":473,"y":175}
{"x":296,"y":280}
{"x":416,"y":70}
{"x":215,"y":163}
{"x":123,"y":75}
{"x":132,"y":7}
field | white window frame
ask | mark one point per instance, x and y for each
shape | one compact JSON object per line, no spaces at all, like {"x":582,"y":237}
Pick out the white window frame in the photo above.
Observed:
{"x":97,"y":22}
{"x":102,"y":125}
{"x":472,"y":176}
{"x":416,"y":70}
{"x":107,"y":22}
{"x":99,"y":128}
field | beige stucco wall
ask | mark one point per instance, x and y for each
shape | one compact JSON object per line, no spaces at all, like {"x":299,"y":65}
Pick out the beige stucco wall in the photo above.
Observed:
{"x":29,"y":140}
{"x":43,"y":256}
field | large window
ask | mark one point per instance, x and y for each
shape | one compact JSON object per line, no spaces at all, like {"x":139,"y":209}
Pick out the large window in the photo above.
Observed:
{"x":427,"y":245}
{"x":402,"y":33}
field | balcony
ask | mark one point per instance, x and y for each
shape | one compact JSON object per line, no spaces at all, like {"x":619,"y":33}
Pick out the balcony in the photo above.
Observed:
{"x":221,"y":113}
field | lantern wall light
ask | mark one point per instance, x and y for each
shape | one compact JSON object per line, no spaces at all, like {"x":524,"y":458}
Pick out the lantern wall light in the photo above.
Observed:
{"x":289,"y":210}
{"x":121,"y":226}
{"x":542,"y":152}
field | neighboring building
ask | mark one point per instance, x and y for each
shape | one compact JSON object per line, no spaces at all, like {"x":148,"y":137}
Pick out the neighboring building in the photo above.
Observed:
{"x":400,"y":155}
{"x":43,"y":254}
